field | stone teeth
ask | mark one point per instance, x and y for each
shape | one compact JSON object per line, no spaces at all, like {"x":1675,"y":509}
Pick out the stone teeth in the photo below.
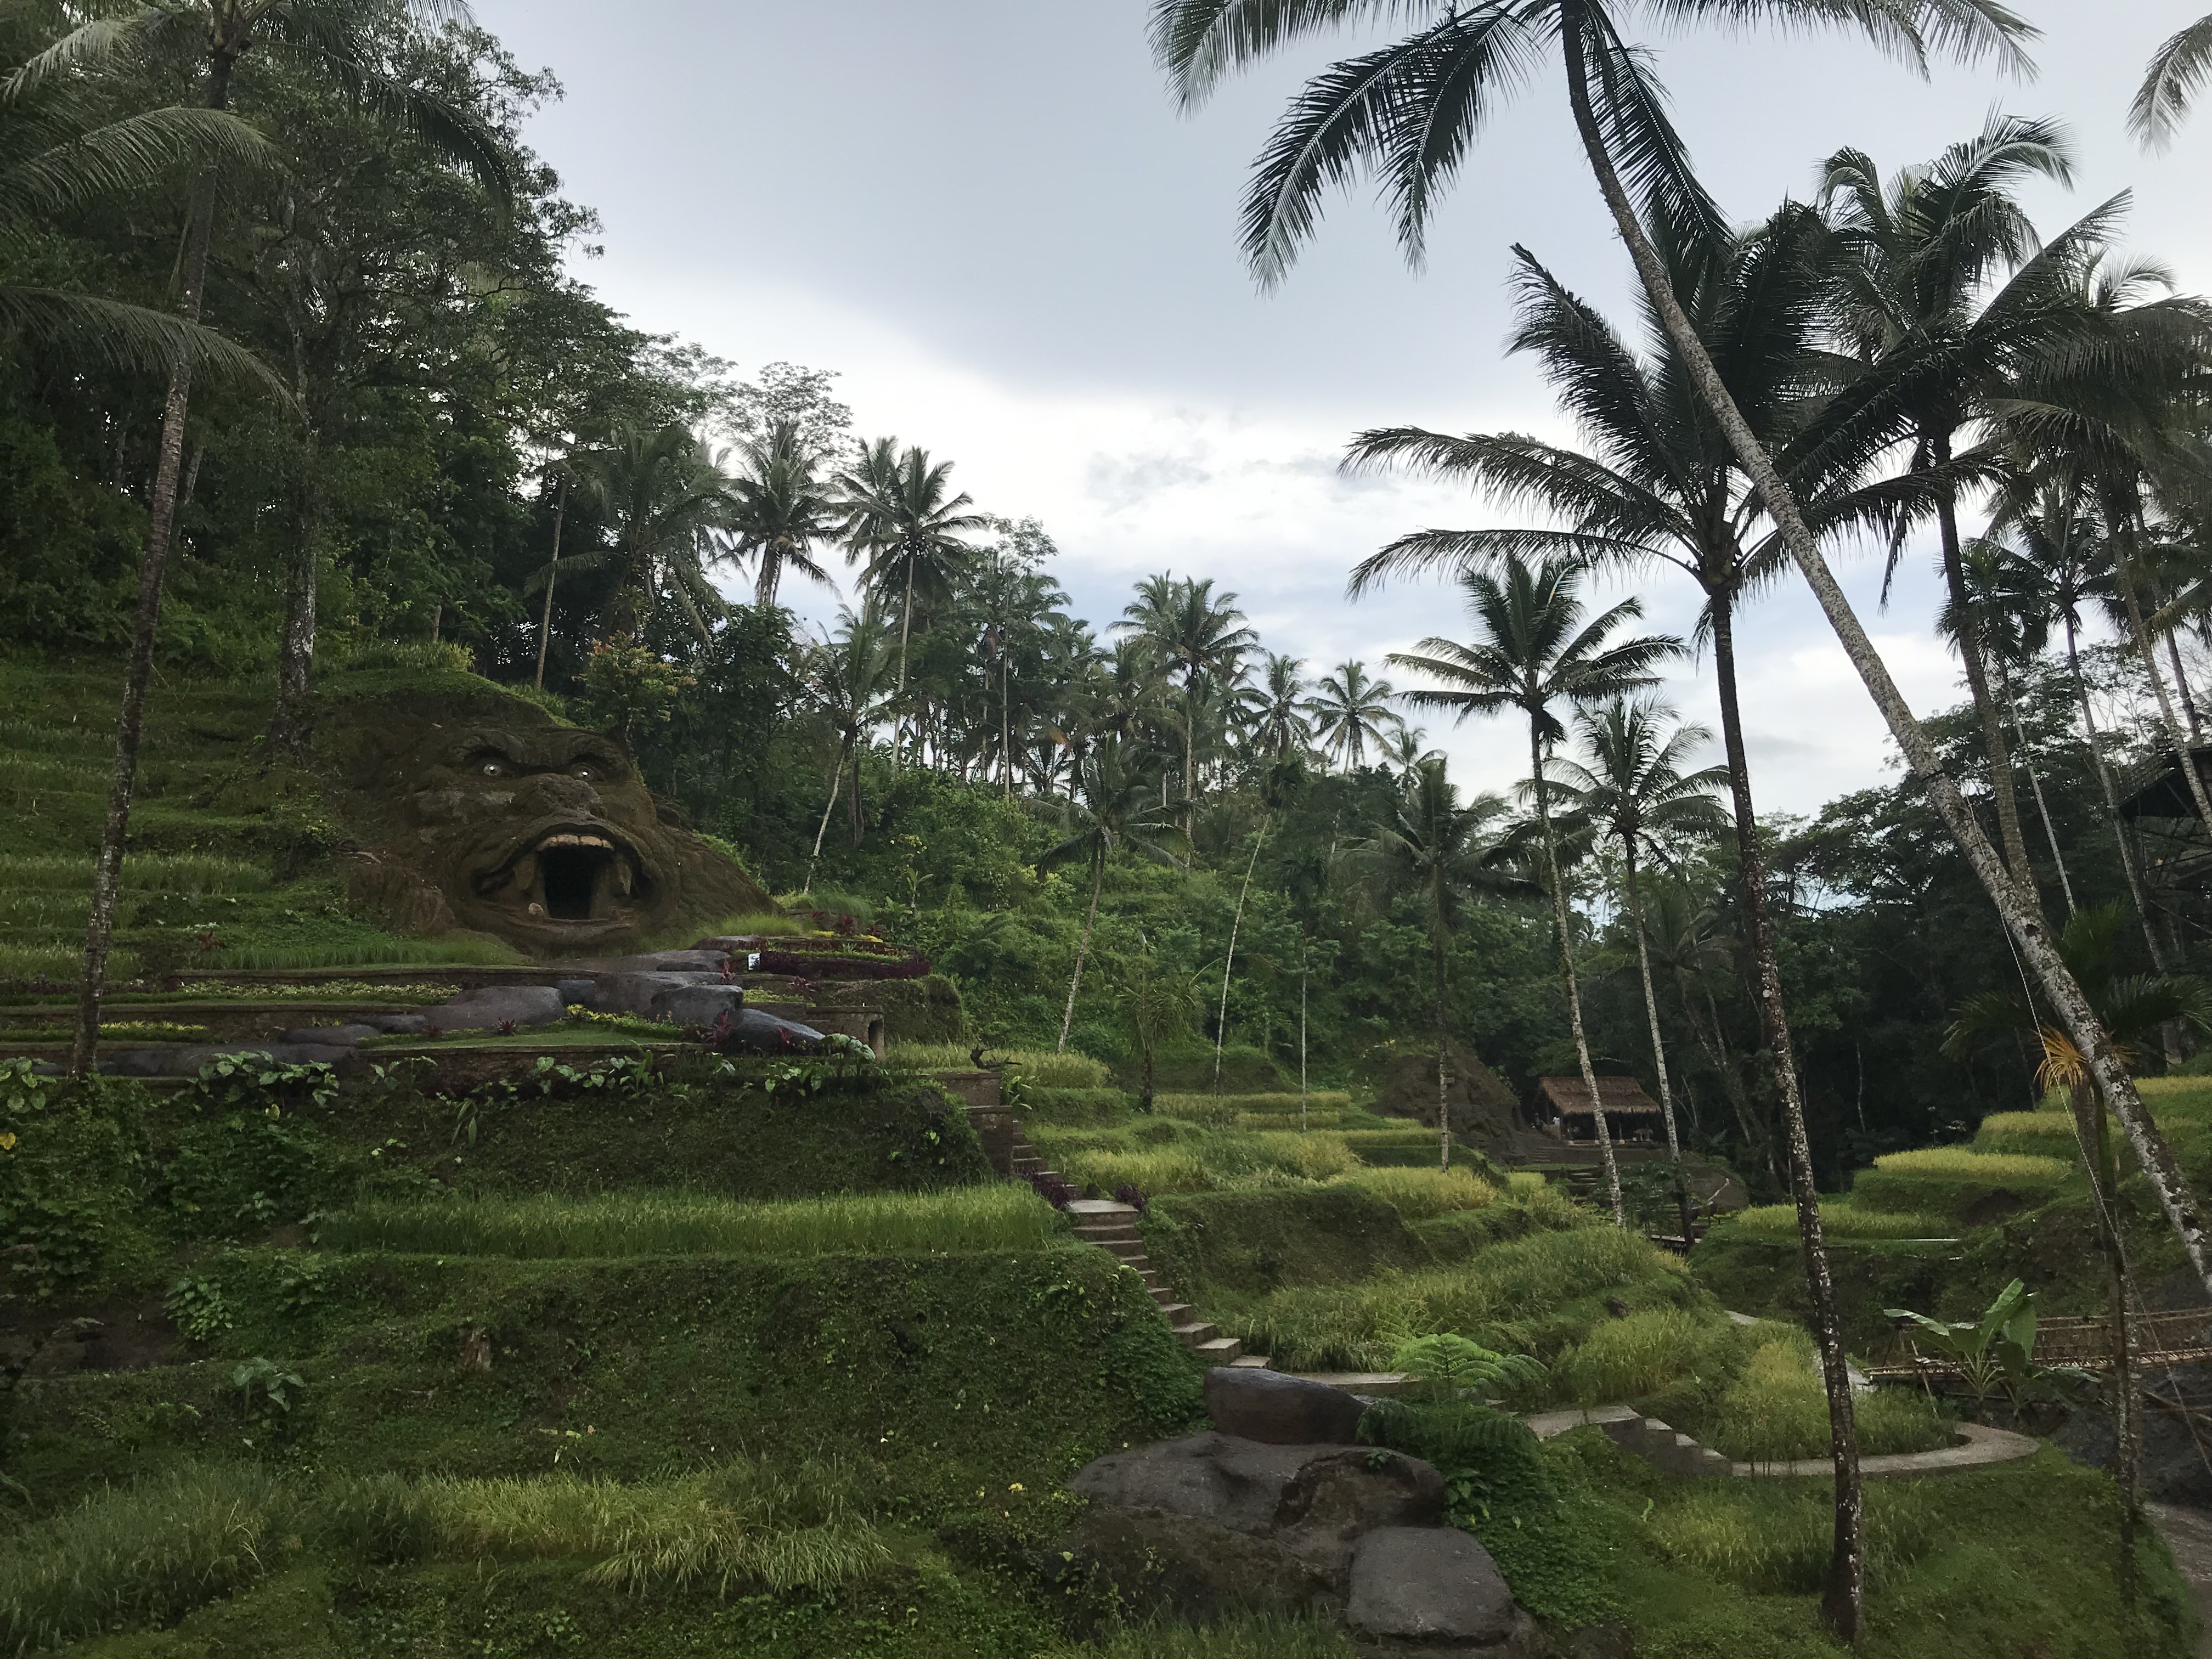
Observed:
{"x":578,"y":840}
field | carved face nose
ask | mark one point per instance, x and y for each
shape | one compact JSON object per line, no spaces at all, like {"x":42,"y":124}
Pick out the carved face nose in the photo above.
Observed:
{"x":563,"y":793}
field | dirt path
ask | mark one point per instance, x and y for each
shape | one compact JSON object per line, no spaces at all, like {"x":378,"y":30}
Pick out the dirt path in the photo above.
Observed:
{"x":2188,"y":1534}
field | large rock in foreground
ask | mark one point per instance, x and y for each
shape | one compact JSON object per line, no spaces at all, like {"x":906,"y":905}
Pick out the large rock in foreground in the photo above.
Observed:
{"x":1430,"y":1593}
{"x":1279,"y":1409}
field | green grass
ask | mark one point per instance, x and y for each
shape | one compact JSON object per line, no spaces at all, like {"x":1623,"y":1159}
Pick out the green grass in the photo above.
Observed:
{"x":1040,"y":1067}
{"x":368,"y":949}
{"x":1774,"y":1542}
{"x":1775,"y":1411}
{"x":769,"y":924}
{"x":142,"y":872}
{"x":1226,"y":1110}
{"x":1514,"y":1296}
{"x":1632,"y":1358}
{"x":1968,"y":1186}
{"x":1840,"y":1220}
{"x":1000,"y":1217}
{"x":423,"y":992}
{"x":1420,"y":1195}
{"x":111,"y":1030}
{"x":1194,"y":1161}
{"x":2039,"y":1134}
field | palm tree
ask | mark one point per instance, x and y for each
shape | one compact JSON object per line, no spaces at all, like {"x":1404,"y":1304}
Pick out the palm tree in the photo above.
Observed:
{"x":1351,"y":711}
{"x":2131,"y":1008}
{"x":1408,"y":747}
{"x":780,"y":507}
{"x":2177,"y":70}
{"x":332,"y":43}
{"x":1917,"y":262}
{"x":901,"y":516}
{"x":1154,"y":1002}
{"x":1204,"y":638}
{"x":845,"y":675}
{"x":1532,"y":649}
{"x":1633,"y":789}
{"x":1277,"y":707}
{"x":1447,"y":853}
{"x":1110,"y":806}
{"x":663,"y":493}
{"x":1690,"y":951}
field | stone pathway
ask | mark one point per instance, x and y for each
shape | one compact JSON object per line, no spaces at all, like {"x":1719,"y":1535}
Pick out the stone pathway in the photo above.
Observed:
{"x":1675,"y":1453}
{"x":2188,"y":1534}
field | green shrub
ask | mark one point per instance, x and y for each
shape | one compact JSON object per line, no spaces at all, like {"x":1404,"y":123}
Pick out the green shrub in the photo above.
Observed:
{"x":409,"y":657}
{"x":1000,"y":1217}
{"x":141,"y":1554}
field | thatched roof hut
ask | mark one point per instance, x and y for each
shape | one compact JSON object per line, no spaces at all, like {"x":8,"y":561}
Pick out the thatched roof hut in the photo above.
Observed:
{"x":1628,"y":1110}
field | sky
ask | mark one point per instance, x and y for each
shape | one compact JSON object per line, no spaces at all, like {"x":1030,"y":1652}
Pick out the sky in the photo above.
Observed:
{"x":990,"y":219}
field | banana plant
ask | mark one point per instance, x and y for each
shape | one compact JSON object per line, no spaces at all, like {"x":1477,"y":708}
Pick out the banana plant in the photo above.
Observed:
{"x":1995,"y":1352}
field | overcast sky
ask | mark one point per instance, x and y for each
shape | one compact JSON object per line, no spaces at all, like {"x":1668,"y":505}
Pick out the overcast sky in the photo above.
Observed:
{"x":989,"y":218}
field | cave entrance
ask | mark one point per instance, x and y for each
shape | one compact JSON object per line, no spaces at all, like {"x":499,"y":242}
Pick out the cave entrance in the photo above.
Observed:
{"x":571,"y":875}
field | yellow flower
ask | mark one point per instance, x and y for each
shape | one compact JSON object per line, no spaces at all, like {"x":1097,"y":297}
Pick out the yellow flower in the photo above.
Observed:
{"x":7,"y":1143}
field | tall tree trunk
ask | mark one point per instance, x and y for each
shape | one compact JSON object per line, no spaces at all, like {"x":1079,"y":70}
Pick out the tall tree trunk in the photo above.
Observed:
{"x":837,"y":782}
{"x":906,"y":626}
{"x":2139,"y":631}
{"x":290,"y":727}
{"x":1221,"y":1021}
{"x":2111,"y":799}
{"x":1978,"y":681}
{"x":1444,"y":1079}
{"x":1083,"y":949}
{"x":1302,"y":1029}
{"x":1756,"y":1135}
{"x":2092,"y":1128}
{"x":153,"y":570}
{"x":2114,"y":1086}
{"x":2035,"y":783}
{"x":1565,"y":926}
{"x":1658,"y":1042}
{"x":552,"y":572}
{"x":858,"y":814}
{"x":2181,"y":688}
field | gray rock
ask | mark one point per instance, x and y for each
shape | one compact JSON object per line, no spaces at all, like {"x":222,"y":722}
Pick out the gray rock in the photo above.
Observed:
{"x":336,"y":1036}
{"x":752,"y":1032}
{"x":584,"y":993}
{"x":632,"y":993}
{"x":693,"y":961}
{"x":1194,"y":1569}
{"x":398,"y":1025}
{"x":495,"y":1006}
{"x":1280,"y":1409}
{"x":1314,"y":1501}
{"x":699,"y":1005}
{"x":1431,"y":1585}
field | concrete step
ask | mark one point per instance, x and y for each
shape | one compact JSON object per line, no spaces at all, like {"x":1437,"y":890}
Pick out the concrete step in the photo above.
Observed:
{"x":1197,"y":1332}
{"x":1222,"y":1350}
{"x":1174,"y":1310}
{"x":1086,"y":1209}
{"x":1254,"y":1362}
{"x":1100,"y":1232}
{"x":1129,"y":1251}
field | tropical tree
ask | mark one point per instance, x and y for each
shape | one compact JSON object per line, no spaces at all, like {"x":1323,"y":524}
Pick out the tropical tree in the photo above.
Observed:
{"x":901,"y":516}
{"x":1349,"y":711}
{"x":2131,"y":1008}
{"x":1277,"y":707}
{"x":1635,"y":789}
{"x":1110,"y":806}
{"x":2177,"y":70}
{"x":332,"y":42}
{"x":847,"y":674}
{"x":1446,"y":854}
{"x":1156,"y":1001}
{"x":1532,"y":649}
{"x":1203,"y":637}
{"x":780,"y":507}
{"x":663,"y":493}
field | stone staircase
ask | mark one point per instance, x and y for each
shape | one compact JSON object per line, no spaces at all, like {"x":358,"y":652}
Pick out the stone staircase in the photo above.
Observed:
{"x":1112,"y":1227}
{"x":1666,"y":1448}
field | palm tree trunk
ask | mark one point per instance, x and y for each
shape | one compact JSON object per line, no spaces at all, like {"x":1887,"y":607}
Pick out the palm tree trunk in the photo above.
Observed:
{"x":1978,"y":683}
{"x":289,"y":726}
{"x":1755,"y":1134}
{"x":1443,"y":1082}
{"x":2181,"y":688}
{"x":2111,"y":799}
{"x":2139,"y":631}
{"x":1301,"y":1029}
{"x":1083,"y":949}
{"x":837,"y":782}
{"x":1567,"y":972}
{"x":855,"y":811}
{"x":552,"y":572}
{"x":906,"y":625}
{"x":2035,"y":783}
{"x":2059,"y":987}
{"x":1221,"y":1021}
{"x":153,"y":570}
{"x":1658,"y":1042}
{"x":2092,"y":1128}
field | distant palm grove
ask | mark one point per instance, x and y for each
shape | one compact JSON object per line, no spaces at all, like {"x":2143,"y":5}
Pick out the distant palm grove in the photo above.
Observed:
{"x":301,"y":387}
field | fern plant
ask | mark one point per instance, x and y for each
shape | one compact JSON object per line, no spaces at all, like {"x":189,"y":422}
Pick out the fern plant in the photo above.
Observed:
{"x":1446,"y":1366}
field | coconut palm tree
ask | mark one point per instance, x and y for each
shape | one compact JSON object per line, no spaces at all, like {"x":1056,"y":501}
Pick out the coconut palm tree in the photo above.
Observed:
{"x":845,"y":674}
{"x":1446,"y":854}
{"x":1634,"y":789}
{"x":664,"y":495}
{"x":337,"y":43}
{"x":1533,"y":647}
{"x":1277,"y":707}
{"x":2177,"y":70}
{"x":1110,"y":806}
{"x":1349,"y":711}
{"x":2132,"y":1009}
{"x":901,"y":516}
{"x":781,"y":508}
{"x":1204,"y":637}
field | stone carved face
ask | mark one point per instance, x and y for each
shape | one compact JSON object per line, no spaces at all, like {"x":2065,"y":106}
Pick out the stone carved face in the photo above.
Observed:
{"x":539,"y":835}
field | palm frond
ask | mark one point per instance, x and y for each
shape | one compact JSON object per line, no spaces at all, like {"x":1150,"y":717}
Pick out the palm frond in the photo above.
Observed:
{"x":133,"y":337}
{"x":2178,"y":71}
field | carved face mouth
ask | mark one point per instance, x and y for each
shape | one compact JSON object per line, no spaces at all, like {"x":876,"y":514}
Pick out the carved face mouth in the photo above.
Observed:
{"x":573,"y":873}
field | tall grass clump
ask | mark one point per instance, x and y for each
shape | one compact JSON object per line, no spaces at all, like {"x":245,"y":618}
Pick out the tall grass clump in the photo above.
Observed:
{"x":142,"y":872}
{"x":1775,"y":1411}
{"x":1950,"y":1180}
{"x":1000,"y":1216}
{"x":1040,"y":1067}
{"x":743,"y":1524}
{"x":143,"y":1554}
{"x":1226,"y":1108}
{"x":1632,"y":1358}
{"x":1775,"y":1537}
{"x":2040,"y":1134}
{"x":1421,"y":1195}
{"x":757,"y":924}
{"x":364,"y":950}
{"x":1840,"y":1220}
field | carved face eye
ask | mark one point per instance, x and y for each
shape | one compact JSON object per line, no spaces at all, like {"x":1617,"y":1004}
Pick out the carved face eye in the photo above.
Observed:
{"x":492,"y":769}
{"x":585,"y":771}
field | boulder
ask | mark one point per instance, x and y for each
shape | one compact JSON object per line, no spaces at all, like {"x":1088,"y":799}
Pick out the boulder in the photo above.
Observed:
{"x":336,"y":1036}
{"x":578,"y":992}
{"x":700,"y":1006}
{"x":1194,"y":1569}
{"x":396,"y":1024}
{"x":495,"y":1006}
{"x":1430,"y":1590}
{"x":1313,"y":1502}
{"x":633,"y":992}
{"x":752,"y":1032}
{"x":1279,"y":1409}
